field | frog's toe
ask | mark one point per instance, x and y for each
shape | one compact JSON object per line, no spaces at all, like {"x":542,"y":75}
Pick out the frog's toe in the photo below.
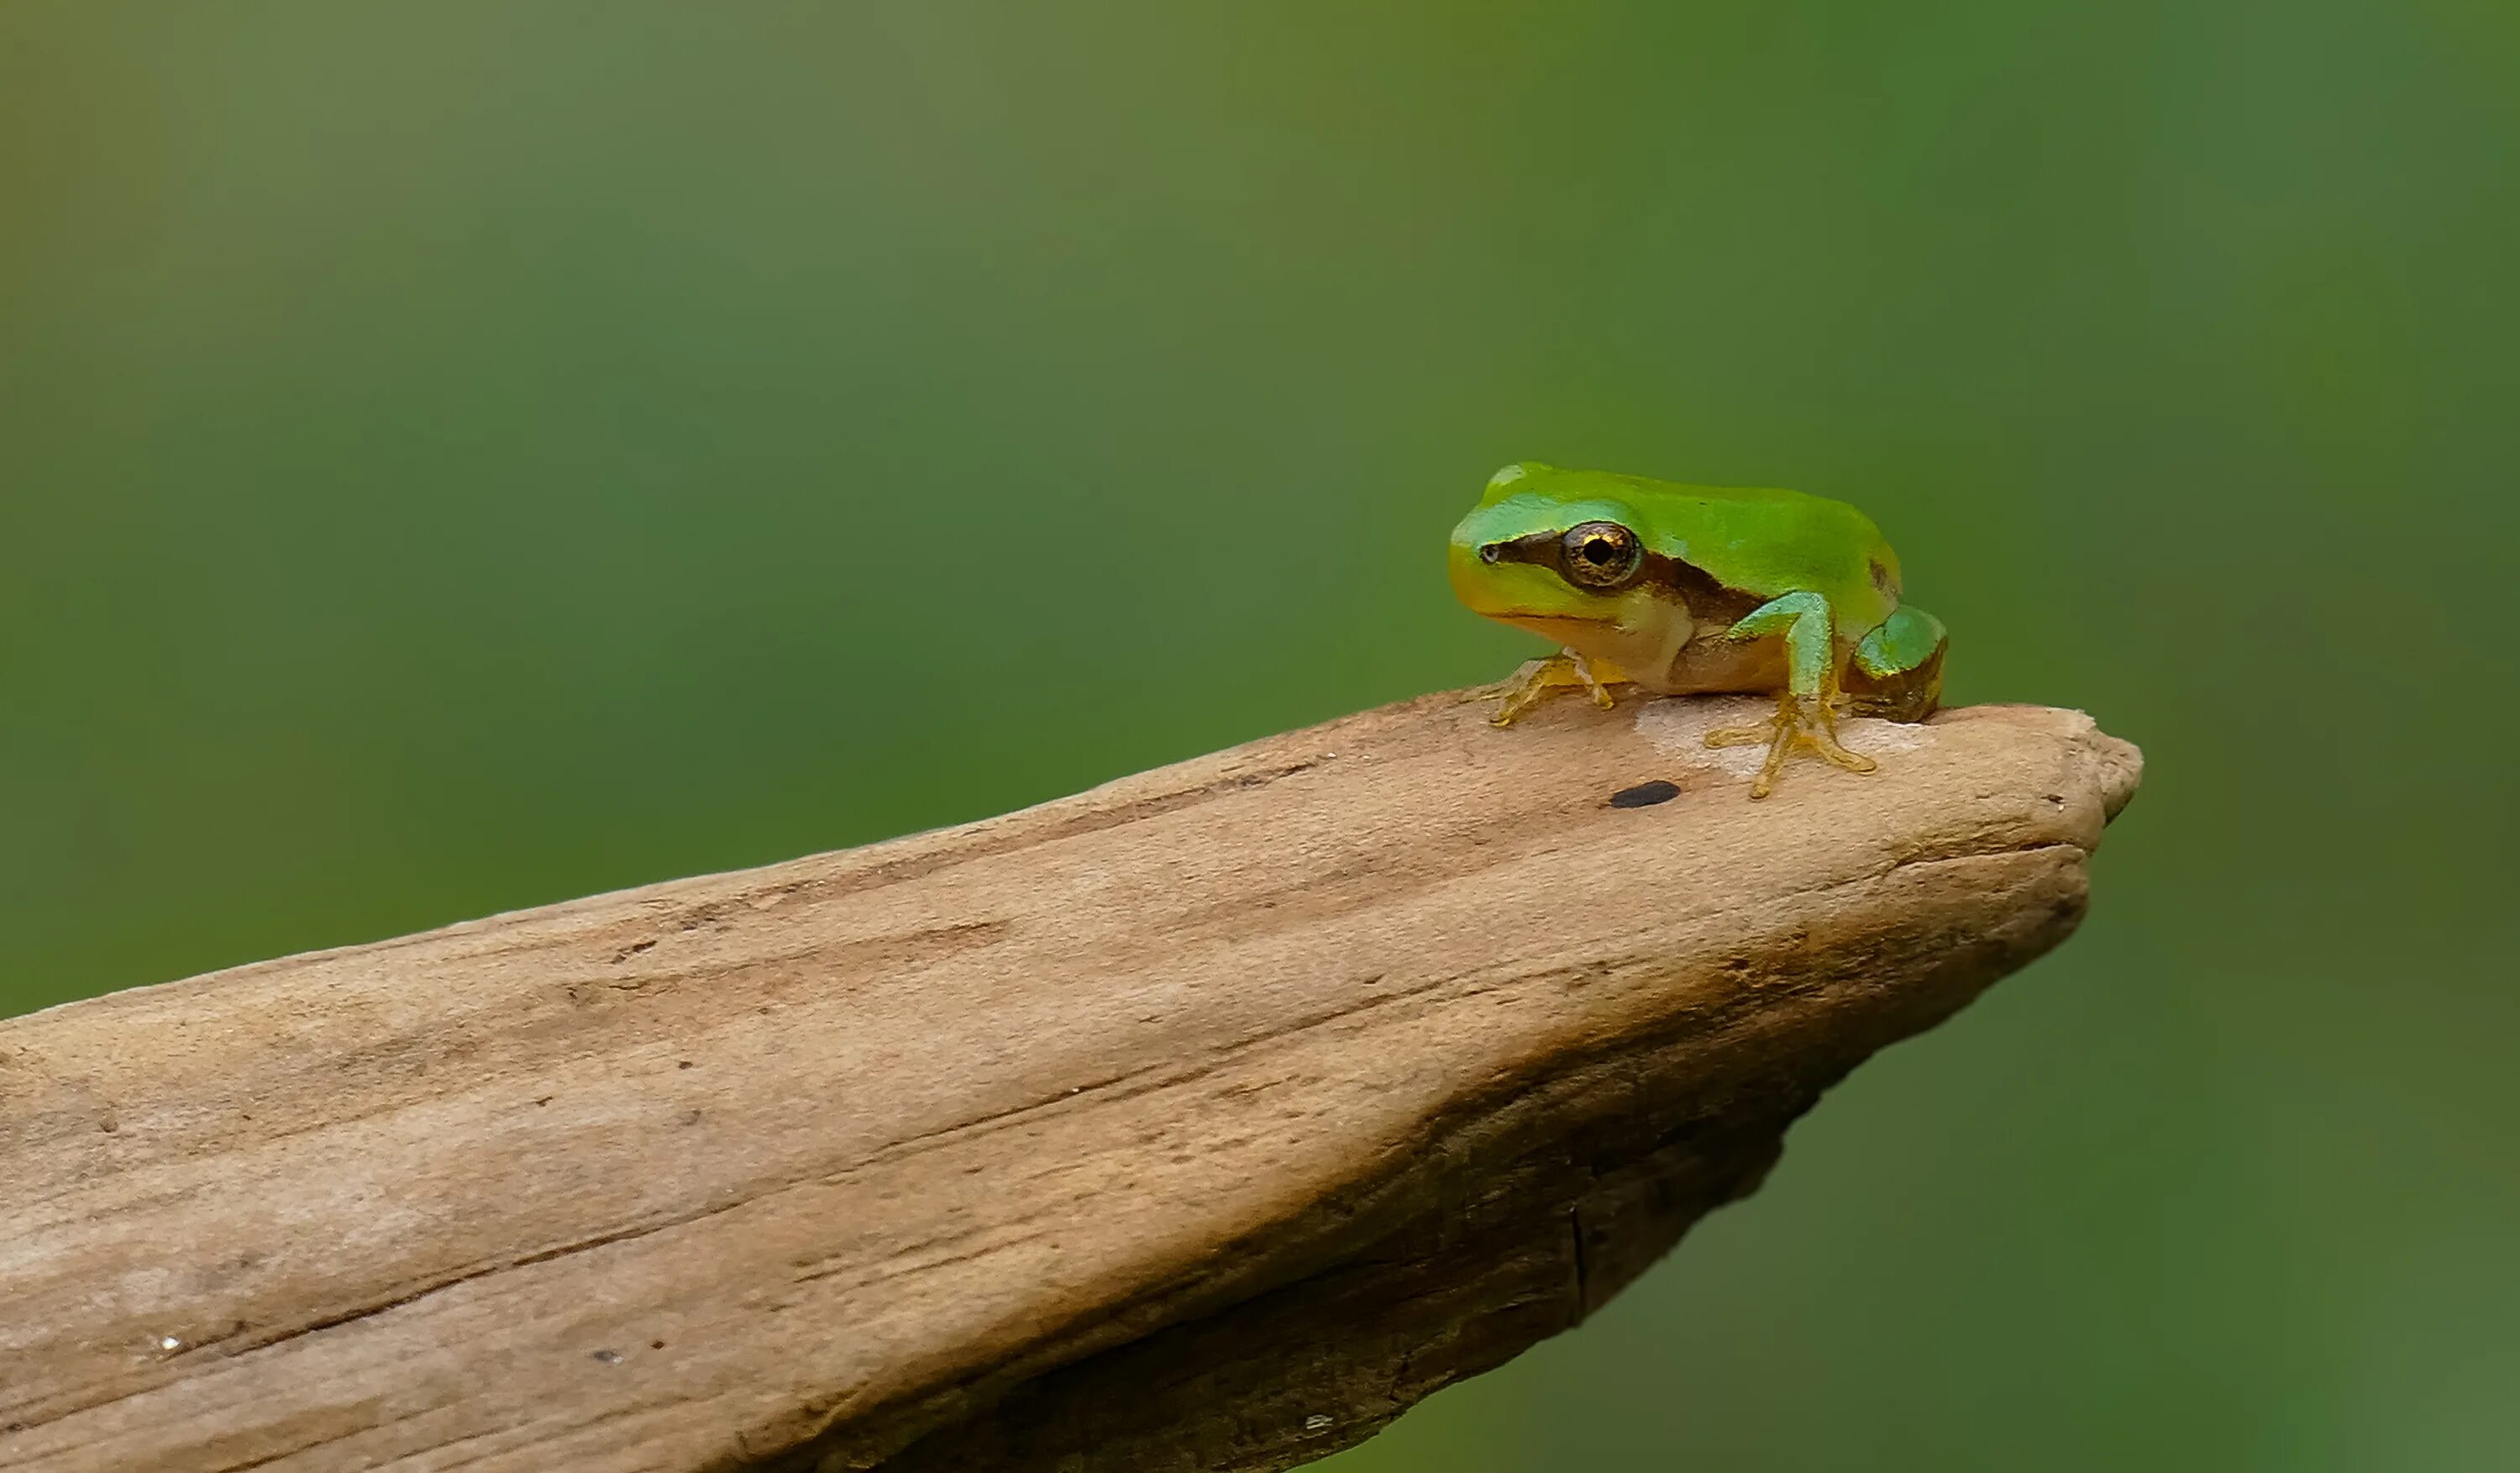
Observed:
{"x":1533,"y":683}
{"x":1742,"y":736}
{"x":1526,"y":688}
{"x":1822,"y":739}
{"x":1799,"y":724}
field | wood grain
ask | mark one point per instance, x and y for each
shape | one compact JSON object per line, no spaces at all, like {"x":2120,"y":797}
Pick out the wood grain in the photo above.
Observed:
{"x":1204,"y":1121}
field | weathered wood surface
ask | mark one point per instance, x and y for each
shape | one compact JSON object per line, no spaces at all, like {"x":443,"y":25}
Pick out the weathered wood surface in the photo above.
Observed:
{"x":1203,"y":1121}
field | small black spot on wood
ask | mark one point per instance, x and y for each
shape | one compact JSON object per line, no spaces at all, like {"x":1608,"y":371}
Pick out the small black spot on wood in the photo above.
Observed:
{"x":1645,"y":794}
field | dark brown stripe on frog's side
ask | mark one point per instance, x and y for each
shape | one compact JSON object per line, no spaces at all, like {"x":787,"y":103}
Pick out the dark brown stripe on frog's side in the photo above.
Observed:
{"x":1707,"y":599}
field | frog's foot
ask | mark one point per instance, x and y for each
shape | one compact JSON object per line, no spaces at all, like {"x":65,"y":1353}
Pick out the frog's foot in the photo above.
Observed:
{"x":1800,"y":721}
{"x":1531,"y":685}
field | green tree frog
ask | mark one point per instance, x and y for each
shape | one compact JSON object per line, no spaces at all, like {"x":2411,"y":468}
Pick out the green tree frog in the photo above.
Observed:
{"x":1673,"y":589}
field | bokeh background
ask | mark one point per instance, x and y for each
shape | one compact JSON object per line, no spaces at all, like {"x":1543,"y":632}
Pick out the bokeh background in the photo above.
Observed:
{"x":465,"y":455}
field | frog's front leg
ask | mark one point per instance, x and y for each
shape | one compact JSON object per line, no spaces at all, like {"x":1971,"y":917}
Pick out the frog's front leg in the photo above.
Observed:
{"x":1531,"y":685}
{"x":1805,"y":717}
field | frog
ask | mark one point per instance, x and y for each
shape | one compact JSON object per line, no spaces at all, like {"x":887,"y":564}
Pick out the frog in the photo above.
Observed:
{"x":1668,"y":588}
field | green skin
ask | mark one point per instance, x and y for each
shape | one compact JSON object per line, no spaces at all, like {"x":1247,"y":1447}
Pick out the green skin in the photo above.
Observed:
{"x":1676,"y":588}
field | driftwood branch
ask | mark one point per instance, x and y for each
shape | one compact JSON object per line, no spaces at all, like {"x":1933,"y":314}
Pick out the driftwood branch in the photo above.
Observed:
{"x":1204,"y":1121}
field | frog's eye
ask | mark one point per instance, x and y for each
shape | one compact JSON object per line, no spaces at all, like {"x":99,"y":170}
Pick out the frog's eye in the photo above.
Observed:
{"x":1600,"y":555}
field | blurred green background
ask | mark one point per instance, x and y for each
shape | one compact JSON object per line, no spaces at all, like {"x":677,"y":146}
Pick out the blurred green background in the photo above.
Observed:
{"x":460,"y":456}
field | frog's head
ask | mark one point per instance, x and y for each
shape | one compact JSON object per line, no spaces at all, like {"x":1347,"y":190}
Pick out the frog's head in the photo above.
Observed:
{"x":1554,"y":551}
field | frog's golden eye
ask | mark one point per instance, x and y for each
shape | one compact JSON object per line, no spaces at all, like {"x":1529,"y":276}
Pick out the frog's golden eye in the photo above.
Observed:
{"x":1600,"y":555}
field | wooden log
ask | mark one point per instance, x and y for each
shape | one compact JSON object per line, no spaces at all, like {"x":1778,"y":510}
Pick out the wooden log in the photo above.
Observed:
{"x":1204,"y":1121}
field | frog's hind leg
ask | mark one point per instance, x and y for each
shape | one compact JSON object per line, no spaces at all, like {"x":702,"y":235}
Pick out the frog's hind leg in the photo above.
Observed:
{"x":1896,"y":672}
{"x":1565,"y":669}
{"x":1805,"y":719}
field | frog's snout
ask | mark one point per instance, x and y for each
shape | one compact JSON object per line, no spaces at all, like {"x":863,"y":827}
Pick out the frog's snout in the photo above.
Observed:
{"x":1485,"y":578}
